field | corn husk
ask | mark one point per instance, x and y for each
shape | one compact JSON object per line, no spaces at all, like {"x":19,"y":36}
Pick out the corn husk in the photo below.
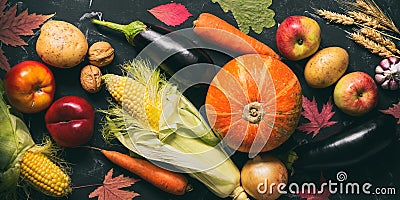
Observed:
{"x":15,"y":139}
{"x":183,"y":140}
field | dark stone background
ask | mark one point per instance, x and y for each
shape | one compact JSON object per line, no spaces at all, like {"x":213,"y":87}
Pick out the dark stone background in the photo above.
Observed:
{"x":89,"y":167}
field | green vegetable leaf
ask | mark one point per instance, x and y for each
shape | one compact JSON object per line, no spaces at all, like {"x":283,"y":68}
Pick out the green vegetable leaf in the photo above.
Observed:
{"x":250,"y":13}
{"x":9,"y":143}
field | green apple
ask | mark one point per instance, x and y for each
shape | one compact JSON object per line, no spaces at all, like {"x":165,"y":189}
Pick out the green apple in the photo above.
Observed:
{"x":298,"y":37}
{"x":356,"y":94}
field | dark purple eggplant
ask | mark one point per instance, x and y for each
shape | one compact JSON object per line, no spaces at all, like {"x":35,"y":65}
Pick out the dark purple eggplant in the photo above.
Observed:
{"x":170,"y":51}
{"x":351,"y":146}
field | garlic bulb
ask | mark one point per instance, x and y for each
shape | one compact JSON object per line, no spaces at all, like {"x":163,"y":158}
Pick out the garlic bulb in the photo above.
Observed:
{"x":387,"y":73}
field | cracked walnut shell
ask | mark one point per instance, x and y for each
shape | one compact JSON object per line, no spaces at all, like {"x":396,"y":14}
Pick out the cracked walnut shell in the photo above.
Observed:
{"x":100,"y":54}
{"x":91,"y":78}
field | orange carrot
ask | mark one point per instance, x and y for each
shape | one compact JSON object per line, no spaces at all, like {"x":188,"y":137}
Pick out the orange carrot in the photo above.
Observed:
{"x":168,"y":181}
{"x":220,"y":32}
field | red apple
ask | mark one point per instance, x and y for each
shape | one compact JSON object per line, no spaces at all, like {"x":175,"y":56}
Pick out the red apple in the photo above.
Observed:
{"x":356,"y":94}
{"x":70,"y":121}
{"x":30,"y":86}
{"x":298,"y":37}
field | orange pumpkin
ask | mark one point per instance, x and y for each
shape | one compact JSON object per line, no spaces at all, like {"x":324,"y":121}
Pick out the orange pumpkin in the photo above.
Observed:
{"x":254,"y":102}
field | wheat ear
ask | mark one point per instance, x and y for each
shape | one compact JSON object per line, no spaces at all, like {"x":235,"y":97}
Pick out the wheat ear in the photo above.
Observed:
{"x":366,"y":20}
{"x":379,"y":38}
{"x":364,"y":7}
{"x":371,"y":45}
{"x":370,"y":8}
{"x":380,"y":15}
{"x":335,"y":17}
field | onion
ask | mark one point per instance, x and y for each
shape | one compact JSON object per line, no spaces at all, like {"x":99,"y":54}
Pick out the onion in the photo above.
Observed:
{"x":263,"y":177}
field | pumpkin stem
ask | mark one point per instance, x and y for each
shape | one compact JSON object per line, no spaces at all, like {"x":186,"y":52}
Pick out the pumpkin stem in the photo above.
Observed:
{"x":253,"y":112}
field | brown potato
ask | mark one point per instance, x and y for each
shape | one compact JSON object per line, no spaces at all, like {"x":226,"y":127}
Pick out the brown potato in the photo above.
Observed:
{"x":61,"y":44}
{"x":326,"y":67}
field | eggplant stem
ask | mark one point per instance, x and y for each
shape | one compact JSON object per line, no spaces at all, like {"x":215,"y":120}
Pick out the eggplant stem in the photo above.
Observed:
{"x":111,"y":25}
{"x":130,"y":30}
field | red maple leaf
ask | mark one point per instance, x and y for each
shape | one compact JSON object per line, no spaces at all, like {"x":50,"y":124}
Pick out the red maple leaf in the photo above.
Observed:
{"x":318,"y":194}
{"x":394,"y":111}
{"x":4,"y":61}
{"x":111,"y":188}
{"x":13,"y":26}
{"x":172,"y":14}
{"x":3,"y":4}
{"x":317,"y":120}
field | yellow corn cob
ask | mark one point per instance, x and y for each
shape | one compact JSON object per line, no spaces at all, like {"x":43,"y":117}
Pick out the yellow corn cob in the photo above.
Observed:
{"x":134,"y":98}
{"x":38,"y":170}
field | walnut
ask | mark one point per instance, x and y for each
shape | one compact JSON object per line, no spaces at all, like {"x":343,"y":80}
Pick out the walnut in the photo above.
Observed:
{"x":101,"y":54}
{"x":91,"y":78}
